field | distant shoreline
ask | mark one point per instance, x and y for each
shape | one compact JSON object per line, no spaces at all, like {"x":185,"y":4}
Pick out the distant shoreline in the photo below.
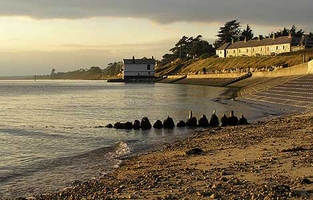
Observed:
{"x":16,"y":77}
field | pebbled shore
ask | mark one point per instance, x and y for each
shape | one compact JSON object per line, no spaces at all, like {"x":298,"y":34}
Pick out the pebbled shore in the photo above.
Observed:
{"x":267,"y":160}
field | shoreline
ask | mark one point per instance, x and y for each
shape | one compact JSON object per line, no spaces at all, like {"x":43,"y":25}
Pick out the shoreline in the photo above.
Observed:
{"x":263,"y":160}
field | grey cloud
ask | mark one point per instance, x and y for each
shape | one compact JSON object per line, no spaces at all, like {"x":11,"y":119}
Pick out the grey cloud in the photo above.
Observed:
{"x":266,"y":12}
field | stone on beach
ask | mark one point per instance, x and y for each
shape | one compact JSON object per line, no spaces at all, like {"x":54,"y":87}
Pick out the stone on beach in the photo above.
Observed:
{"x":169,"y":123}
{"x":136,"y":125}
{"x":232,"y":119}
{"x":109,"y":126}
{"x":214,"y":120}
{"x":224,"y":120}
{"x":194,"y":151}
{"x":203,"y":121}
{"x":242,"y":121}
{"x":158,"y":124}
{"x":192,"y":122}
{"x":181,"y":123}
{"x":145,"y":123}
{"x":128,"y":126}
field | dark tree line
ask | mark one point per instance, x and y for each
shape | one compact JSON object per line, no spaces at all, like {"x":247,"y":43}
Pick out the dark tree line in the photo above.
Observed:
{"x":93,"y":72}
{"x":189,"y":47}
{"x":285,"y":32}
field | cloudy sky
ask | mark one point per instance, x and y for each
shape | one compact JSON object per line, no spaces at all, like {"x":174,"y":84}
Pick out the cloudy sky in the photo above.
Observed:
{"x":38,"y":35}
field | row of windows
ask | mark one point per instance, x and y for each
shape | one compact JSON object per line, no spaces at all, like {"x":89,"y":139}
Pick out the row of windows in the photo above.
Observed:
{"x":253,"y":49}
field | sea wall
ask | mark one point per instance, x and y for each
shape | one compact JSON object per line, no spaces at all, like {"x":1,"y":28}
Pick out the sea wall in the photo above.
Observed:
{"x":289,"y":71}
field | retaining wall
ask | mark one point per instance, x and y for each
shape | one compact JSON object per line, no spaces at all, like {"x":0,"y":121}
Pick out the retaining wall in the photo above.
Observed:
{"x":289,"y":71}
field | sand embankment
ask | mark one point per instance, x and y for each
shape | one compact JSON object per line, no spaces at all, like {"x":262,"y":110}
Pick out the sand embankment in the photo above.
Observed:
{"x":272,"y":160}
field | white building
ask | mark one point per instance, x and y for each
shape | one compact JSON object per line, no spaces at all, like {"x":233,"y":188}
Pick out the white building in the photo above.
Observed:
{"x":138,"y":68}
{"x":264,"y":47}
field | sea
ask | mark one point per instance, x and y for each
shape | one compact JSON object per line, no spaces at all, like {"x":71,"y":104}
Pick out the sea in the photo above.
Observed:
{"x":52,"y":131}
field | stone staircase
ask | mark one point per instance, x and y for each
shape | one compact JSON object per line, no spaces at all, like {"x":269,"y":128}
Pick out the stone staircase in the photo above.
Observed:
{"x":245,"y":76}
{"x":292,"y":91}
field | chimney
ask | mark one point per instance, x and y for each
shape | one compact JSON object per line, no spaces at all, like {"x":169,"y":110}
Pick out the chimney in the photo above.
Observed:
{"x":152,"y":58}
{"x":259,"y":38}
{"x":232,"y":41}
{"x":245,"y":40}
{"x":133,"y":59}
{"x":274,"y":36}
{"x":289,"y":36}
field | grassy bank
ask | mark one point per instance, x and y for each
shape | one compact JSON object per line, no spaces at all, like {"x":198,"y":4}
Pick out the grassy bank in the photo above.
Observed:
{"x":180,"y":66}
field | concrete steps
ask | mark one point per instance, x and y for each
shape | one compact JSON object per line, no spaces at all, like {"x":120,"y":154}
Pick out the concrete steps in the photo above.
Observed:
{"x":240,"y":78}
{"x":296,"y":92}
{"x":264,"y":83}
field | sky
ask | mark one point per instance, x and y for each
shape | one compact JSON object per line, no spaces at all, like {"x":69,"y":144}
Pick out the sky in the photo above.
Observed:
{"x":38,"y":35}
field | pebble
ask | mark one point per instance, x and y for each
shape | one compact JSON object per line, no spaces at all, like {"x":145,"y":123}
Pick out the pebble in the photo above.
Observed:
{"x":213,"y":196}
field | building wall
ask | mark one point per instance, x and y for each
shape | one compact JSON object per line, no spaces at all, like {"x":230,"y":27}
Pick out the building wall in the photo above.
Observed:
{"x":138,"y":70}
{"x":259,"y":50}
{"x":231,"y":52}
{"x":247,"y":51}
{"x":221,"y":53}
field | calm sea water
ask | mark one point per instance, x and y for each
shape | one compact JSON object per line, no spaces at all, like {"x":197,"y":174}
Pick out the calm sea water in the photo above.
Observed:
{"x":49,"y":136}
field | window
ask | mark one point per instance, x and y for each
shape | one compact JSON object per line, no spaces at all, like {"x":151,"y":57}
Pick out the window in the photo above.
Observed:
{"x":276,"y":47}
{"x":247,"y":50}
{"x":148,"y":67}
{"x":234,"y":51}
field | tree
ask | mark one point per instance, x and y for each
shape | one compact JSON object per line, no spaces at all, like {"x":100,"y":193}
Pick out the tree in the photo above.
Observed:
{"x":113,"y":69}
{"x":285,"y":32}
{"x":52,"y":72}
{"x":295,"y":32}
{"x":95,"y":70}
{"x":180,"y":48}
{"x":190,"y":47}
{"x":230,"y":31}
{"x":247,"y":33}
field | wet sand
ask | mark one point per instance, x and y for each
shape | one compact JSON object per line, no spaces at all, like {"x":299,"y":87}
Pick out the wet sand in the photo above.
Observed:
{"x":267,"y":160}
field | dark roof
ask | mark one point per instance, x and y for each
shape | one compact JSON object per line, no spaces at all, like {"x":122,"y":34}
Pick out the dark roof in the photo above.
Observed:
{"x":139,"y":61}
{"x":294,"y":41}
{"x":224,"y":46}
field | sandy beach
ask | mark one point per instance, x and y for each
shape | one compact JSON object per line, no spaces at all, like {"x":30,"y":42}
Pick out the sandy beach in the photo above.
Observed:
{"x":267,"y":160}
